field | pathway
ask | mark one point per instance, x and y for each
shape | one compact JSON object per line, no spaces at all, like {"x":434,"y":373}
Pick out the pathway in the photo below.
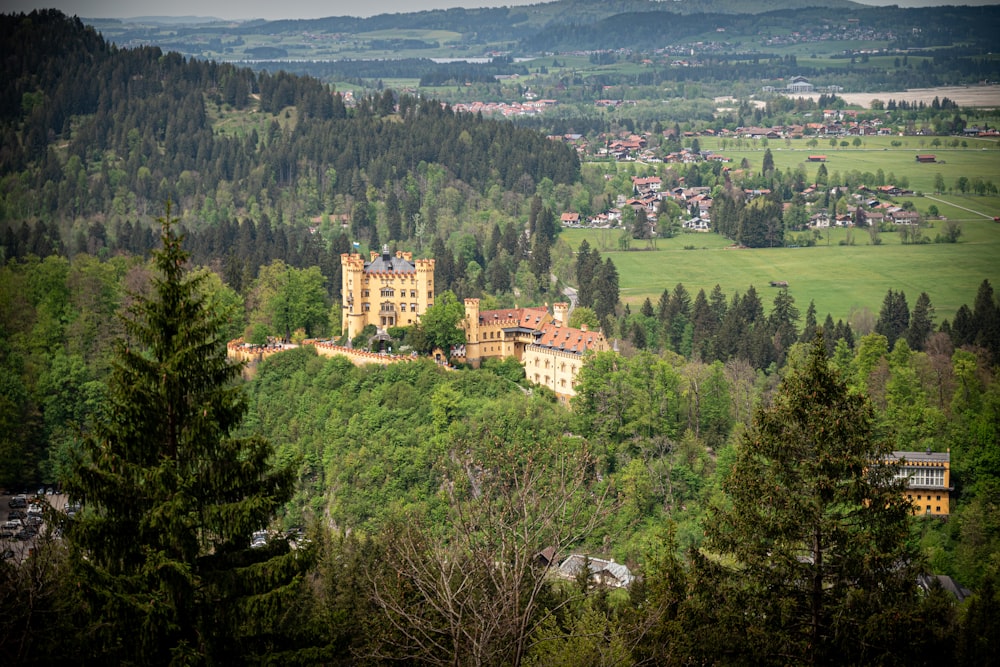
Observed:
{"x":942,"y":201}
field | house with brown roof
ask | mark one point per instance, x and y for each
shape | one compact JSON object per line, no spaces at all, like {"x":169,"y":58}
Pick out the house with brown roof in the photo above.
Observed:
{"x":646,"y":184}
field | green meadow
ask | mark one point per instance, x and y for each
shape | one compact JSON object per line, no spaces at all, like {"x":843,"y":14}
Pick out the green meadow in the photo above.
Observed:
{"x":844,"y":272}
{"x":839,"y":278}
{"x":980,"y":158}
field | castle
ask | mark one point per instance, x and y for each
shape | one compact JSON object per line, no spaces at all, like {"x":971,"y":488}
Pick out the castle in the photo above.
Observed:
{"x":388,"y":291}
{"x":551,"y":352}
{"x":395,"y":290}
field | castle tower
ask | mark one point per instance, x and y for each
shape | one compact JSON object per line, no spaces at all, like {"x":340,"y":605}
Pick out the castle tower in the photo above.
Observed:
{"x":560,"y":313}
{"x":352,"y":271}
{"x":473,"y":355}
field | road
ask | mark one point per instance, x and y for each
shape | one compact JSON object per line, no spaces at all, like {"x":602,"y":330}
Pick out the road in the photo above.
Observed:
{"x":942,"y":201}
{"x":570,"y":293}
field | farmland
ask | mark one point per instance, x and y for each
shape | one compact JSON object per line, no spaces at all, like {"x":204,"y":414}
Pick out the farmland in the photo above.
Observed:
{"x":844,"y":271}
{"x":981,"y":157}
{"x":839,"y":278}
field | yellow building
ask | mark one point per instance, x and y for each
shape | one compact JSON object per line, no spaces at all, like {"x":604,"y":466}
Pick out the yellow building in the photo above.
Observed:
{"x":552,"y":354}
{"x":928,"y":476}
{"x":388,"y":291}
{"x":498,"y":334}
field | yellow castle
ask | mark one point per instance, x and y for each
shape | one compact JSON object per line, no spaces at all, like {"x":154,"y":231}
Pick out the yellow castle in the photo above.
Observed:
{"x":387,"y":291}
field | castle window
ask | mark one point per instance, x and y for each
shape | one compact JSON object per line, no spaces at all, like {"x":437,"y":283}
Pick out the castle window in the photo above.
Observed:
{"x":366,"y":307}
{"x":388,"y":292}
{"x":413,"y":307}
{"x":365,"y":293}
{"x":430,"y":294}
{"x":413,"y":294}
{"x":402,"y":307}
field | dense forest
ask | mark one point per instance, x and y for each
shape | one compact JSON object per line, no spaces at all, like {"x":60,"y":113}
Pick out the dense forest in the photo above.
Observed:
{"x":92,"y":130}
{"x":406,"y":477}
{"x":729,"y":453}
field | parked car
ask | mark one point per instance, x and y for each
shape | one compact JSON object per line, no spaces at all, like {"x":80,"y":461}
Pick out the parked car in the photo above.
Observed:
{"x":27,"y":533}
{"x":10,"y":527}
{"x":20,"y":500}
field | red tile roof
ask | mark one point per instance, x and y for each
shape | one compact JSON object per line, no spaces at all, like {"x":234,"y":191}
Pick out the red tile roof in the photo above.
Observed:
{"x":530,"y":318}
{"x":568,"y":338}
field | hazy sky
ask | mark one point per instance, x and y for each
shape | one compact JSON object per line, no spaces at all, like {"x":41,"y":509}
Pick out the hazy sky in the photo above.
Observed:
{"x":300,"y":9}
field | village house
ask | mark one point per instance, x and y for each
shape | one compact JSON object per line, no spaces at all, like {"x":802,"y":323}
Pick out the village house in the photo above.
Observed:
{"x":603,"y":573}
{"x":646,"y":185}
{"x":820,"y":220}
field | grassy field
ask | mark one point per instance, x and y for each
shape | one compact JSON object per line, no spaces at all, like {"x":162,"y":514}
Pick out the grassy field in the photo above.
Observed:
{"x":981,"y":158}
{"x":840,"y":278}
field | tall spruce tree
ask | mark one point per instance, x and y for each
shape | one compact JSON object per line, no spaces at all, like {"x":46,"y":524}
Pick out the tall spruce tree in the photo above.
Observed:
{"x":813,"y":533}
{"x":171,"y":496}
{"x":921,"y":323}
{"x":894,"y":317}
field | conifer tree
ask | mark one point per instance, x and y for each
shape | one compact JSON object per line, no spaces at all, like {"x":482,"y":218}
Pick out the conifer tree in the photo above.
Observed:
{"x":171,"y":496}
{"x":810,"y":327}
{"x":894,"y":317}
{"x":921,"y":323}
{"x":814,"y":528}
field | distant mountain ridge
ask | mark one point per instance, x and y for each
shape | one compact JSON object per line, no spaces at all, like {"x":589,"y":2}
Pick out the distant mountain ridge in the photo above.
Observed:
{"x":541,"y":15}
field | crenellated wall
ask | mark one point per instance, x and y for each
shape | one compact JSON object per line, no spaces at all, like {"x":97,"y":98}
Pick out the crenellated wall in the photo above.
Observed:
{"x":252,"y":355}
{"x":360,"y":357}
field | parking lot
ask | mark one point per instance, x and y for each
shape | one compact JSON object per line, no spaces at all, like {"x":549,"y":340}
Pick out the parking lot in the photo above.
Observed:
{"x":18,"y":545}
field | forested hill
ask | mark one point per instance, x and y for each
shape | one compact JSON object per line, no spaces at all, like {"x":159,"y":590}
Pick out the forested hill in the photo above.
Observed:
{"x":487,"y":24}
{"x":911,"y":28}
{"x":88,"y":129}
